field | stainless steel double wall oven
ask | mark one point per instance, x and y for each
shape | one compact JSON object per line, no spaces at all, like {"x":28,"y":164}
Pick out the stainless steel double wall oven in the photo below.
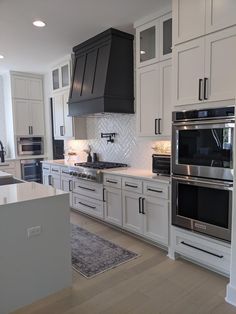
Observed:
{"x":202,"y":170}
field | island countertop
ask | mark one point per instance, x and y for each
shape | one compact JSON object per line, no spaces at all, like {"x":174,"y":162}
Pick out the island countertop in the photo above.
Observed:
{"x":27,"y":191}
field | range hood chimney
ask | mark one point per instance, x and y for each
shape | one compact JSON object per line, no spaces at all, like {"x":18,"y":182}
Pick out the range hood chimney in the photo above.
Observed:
{"x":103,"y":75}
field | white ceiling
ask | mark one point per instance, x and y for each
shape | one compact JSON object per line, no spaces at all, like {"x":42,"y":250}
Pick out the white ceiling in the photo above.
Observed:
{"x":69,"y":22}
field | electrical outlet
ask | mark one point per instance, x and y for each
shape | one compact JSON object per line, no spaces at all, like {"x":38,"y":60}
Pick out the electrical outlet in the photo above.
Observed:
{"x":33,"y":231}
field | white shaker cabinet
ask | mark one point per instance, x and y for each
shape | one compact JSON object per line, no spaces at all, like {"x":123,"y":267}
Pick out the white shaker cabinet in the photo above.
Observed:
{"x":26,"y":87}
{"x":113,"y":205}
{"x":188,"y":72}
{"x":188,"y":19}
{"x":154,"y":105}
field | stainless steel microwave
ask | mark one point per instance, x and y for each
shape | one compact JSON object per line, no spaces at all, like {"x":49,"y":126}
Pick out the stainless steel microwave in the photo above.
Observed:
{"x":29,"y":146}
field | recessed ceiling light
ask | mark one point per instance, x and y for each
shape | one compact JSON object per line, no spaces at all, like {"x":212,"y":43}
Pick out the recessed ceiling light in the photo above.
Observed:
{"x":39,"y":23}
{"x":1,"y":57}
{"x":142,"y":52}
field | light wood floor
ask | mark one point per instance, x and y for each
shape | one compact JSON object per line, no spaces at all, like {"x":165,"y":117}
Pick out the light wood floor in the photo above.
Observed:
{"x":150,"y":284}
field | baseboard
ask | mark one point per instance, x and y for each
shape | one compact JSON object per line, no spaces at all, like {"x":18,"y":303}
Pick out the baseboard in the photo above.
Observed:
{"x":230,"y":294}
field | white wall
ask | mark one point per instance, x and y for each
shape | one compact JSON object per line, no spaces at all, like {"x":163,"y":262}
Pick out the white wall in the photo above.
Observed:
{"x":2,"y":114}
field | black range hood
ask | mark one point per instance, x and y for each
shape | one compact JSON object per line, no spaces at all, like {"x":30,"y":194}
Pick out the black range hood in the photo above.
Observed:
{"x":103,"y":75}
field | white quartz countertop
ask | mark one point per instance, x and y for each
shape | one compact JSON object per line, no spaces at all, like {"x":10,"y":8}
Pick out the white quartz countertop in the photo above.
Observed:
{"x":21,"y":192}
{"x":59,"y":162}
{"x":4,"y":175}
{"x":137,"y":173}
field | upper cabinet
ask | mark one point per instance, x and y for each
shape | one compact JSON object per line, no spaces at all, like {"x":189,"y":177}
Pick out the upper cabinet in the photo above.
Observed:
{"x":192,"y":19}
{"x":27,"y":87}
{"x":61,"y":76}
{"x":154,"y":41}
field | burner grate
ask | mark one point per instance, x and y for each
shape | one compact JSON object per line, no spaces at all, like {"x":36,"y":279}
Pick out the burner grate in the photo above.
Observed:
{"x":100,"y":165}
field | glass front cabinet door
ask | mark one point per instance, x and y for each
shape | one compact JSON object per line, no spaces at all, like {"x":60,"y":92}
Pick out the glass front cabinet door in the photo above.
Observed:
{"x":61,"y":76}
{"x":154,"y":41}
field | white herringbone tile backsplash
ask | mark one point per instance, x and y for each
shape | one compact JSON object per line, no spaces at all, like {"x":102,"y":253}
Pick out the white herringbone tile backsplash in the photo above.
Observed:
{"x":127,"y":147}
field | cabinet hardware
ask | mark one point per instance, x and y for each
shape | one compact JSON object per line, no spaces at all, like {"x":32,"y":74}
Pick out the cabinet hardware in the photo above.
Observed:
{"x":143,"y":211}
{"x":205,"y":251}
{"x":65,"y":172}
{"x":70,"y":185}
{"x":110,"y":181}
{"x":156,"y":133}
{"x":61,"y":132}
{"x":152,"y":190}
{"x":200,"y":89}
{"x":131,"y":186}
{"x":32,"y":130}
{"x":44,"y":168}
{"x":103,"y":195}
{"x":205,"y":94}
{"x":29,"y":130}
{"x":139,"y":205}
{"x":54,"y":170}
{"x":93,"y":207}
{"x":50,"y":179}
{"x":82,"y":187}
{"x":159,"y":126}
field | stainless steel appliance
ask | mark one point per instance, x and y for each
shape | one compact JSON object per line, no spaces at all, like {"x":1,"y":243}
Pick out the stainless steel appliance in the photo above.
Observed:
{"x":161,"y":164}
{"x":92,"y":171}
{"x":31,"y":170}
{"x":202,"y":170}
{"x":29,"y":146}
{"x":202,"y":143}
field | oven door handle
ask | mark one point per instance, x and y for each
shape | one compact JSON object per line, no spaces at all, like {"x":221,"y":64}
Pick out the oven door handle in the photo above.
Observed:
{"x":207,"y":183}
{"x":220,"y":122}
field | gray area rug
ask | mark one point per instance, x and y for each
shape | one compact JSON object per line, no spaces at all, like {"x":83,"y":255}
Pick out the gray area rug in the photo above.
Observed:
{"x":92,"y":255}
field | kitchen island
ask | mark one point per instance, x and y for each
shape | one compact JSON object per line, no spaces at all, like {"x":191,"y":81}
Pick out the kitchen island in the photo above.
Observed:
{"x":35,"y":243}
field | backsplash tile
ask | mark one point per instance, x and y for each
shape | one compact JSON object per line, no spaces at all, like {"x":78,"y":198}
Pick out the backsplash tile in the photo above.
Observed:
{"x":127,"y":147}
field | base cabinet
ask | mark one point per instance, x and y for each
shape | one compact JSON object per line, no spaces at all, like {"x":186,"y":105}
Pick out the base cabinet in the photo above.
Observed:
{"x":132,"y":216}
{"x":87,"y":205}
{"x":67,"y":186}
{"x":113,"y":206}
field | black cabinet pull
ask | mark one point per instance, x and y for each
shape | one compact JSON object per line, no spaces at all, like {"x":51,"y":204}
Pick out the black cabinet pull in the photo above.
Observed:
{"x":103,"y":195}
{"x":93,"y":207}
{"x":113,"y":182}
{"x":131,"y":186}
{"x":70,"y":185}
{"x":86,"y":188}
{"x":205,"y":94}
{"x":55,"y":170}
{"x":29,"y":130}
{"x":143,"y":211}
{"x":32,"y":130}
{"x":50,"y":179}
{"x":200,"y":89}
{"x":156,"y":133}
{"x":205,"y":251}
{"x":139,"y":205}
{"x":152,"y":190}
{"x":159,"y":126}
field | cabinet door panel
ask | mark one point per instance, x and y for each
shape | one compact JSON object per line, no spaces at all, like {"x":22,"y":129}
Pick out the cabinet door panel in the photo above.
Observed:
{"x":132,"y":219}
{"x":113,"y":206}
{"x":188,"y":68}
{"x":20,"y":87}
{"x":58,"y":115}
{"x":56,"y":181}
{"x":68,"y":121}
{"x":37,"y":113}
{"x":148,"y":99}
{"x":66,"y":185}
{"x":188,"y":19}
{"x":22,"y":117}
{"x":166,"y":104}
{"x":166,"y":37}
{"x":220,"y":14}
{"x":221,"y":65}
{"x":35,"y":89}
{"x":156,"y":219}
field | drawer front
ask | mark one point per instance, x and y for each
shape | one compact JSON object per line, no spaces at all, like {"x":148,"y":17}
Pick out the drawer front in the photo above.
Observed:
{"x":203,"y":251}
{"x":55,"y":169}
{"x":112,"y":181}
{"x":87,"y":205}
{"x":46,"y":168}
{"x":155,"y":189}
{"x":7,"y":165}
{"x":93,"y":190}
{"x":132,"y":185}
{"x":65,"y":172}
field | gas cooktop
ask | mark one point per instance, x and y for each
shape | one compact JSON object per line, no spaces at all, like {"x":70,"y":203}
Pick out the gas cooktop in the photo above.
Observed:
{"x":100,"y":165}
{"x":92,"y":170}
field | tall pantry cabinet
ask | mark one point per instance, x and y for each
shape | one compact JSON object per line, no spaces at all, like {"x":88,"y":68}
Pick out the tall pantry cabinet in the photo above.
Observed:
{"x":154,"y":75}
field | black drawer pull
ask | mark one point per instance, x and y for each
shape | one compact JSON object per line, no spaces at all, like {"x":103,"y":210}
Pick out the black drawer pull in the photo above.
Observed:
{"x":152,"y":190}
{"x":110,"y":181}
{"x":131,"y":186}
{"x":103,"y":195}
{"x":55,"y":170}
{"x":205,"y":251}
{"x":143,"y":211}
{"x":92,"y":207}
{"x":70,"y":185}
{"x":86,"y":188}
{"x":200,"y":89}
{"x":65,"y":172}
{"x":139,"y":205}
{"x":43,"y":168}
